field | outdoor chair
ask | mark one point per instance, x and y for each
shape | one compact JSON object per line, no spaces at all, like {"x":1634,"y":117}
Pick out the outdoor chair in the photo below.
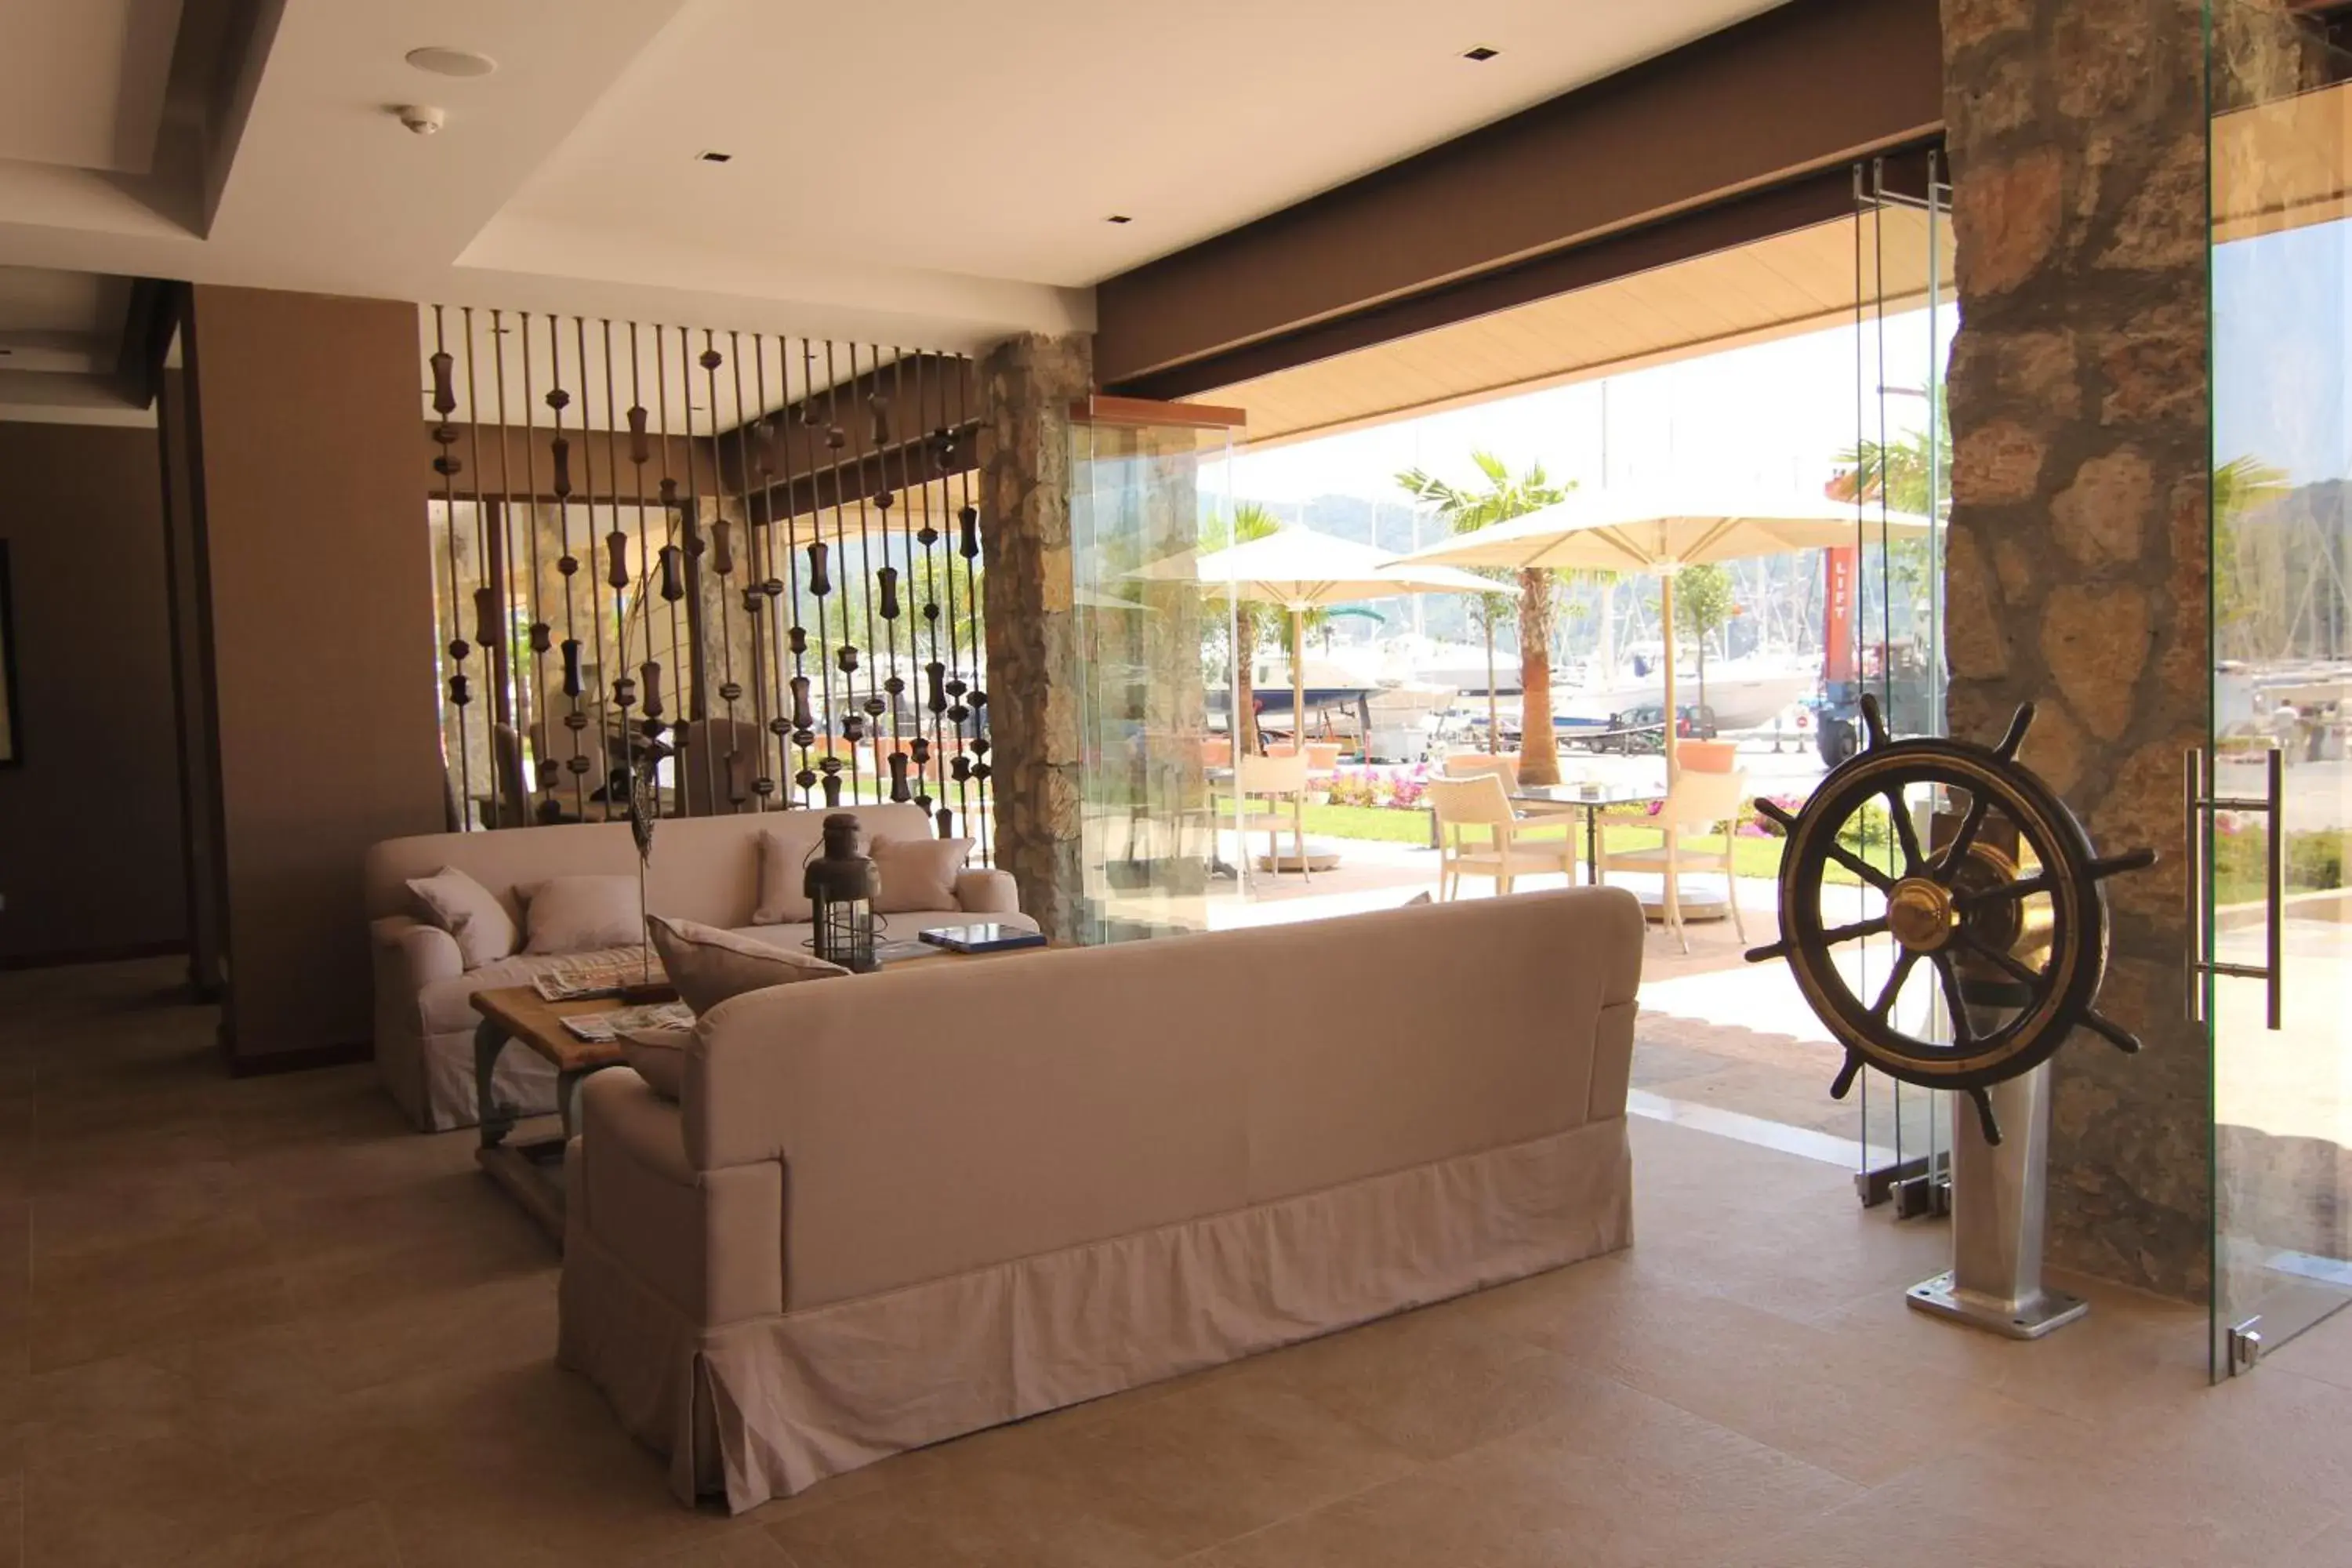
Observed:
{"x":1470,"y":765}
{"x":1262,"y":787}
{"x":1698,"y":803}
{"x":1479,"y":835}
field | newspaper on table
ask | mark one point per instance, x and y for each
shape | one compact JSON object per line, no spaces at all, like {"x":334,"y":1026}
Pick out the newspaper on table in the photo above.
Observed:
{"x":599,"y":1029}
{"x":600,"y":973}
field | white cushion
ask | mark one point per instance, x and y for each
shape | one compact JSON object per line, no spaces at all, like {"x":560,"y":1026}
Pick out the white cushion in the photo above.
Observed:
{"x":581,"y":914}
{"x":709,"y":965}
{"x":784,"y":897}
{"x":918,"y":873}
{"x":468,"y":911}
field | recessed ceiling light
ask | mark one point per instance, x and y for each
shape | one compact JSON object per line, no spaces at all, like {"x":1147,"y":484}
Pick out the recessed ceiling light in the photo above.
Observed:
{"x":1482,"y":53}
{"x":709,"y":157}
{"x":444,"y":61}
{"x":1118,"y":217}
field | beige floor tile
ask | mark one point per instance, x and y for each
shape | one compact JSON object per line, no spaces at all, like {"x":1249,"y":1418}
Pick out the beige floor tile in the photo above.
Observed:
{"x":1432,"y":1382}
{"x":743,"y":1548}
{"x":354,"y":1537}
{"x":167,"y":1497}
{"x":2099,"y":1499}
{"x":1680,"y":1488}
{"x":1877,"y":1530}
{"x":2323,"y":1352}
{"x":1219,"y":1460}
{"x":1815,"y":1394}
{"x":138,"y":1210}
{"x":2131,"y":1360}
{"x":985,"y":1517}
{"x":2331,"y":1548}
{"x":504,"y":1322}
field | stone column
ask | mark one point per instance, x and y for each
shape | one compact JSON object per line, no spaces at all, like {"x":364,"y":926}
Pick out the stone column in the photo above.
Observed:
{"x":2078,"y":554}
{"x":1027,"y":384}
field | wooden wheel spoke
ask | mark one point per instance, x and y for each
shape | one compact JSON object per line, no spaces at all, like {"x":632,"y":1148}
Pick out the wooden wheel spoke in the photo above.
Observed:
{"x":2024,"y":888}
{"x":1862,"y":868}
{"x":1965,"y":839}
{"x":1906,"y":838}
{"x":1894,"y":987}
{"x":2015,"y":967}
{"x":1963,"y":1035}
{"x":1871,"y":927}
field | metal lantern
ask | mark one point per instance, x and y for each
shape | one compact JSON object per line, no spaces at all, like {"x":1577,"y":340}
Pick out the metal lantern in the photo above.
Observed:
{"x":841,"y":884}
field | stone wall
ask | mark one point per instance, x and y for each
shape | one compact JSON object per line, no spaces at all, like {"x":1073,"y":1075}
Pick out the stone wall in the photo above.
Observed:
{"x":2078,"y":554}
{"x":1027,"y":384}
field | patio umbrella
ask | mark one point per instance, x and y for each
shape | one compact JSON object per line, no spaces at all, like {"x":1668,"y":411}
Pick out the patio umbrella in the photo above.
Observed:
{"x":1662,"y":531}
{"x":1302,"y":570}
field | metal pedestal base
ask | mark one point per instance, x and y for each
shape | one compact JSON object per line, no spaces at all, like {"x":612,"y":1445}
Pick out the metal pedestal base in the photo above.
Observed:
{"x":2012,"y":1320}
{"x":1998,"y":1195}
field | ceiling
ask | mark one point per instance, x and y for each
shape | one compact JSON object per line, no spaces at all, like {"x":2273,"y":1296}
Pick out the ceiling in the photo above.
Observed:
{"x":928,"y":173}
{"x":86,"y":81}
{"x":1802,"y":281}
{"x":61,"y":343}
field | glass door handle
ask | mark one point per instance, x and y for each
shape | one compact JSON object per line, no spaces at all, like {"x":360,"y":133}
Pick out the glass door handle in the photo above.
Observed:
{"x":2202,"y":803}
{"x":2197,"y":824}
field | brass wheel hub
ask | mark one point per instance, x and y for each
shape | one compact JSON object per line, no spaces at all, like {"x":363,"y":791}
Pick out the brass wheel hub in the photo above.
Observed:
{"x":1919,"y":913}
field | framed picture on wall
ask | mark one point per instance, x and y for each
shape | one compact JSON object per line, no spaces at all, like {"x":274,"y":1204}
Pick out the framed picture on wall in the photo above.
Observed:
{"x":12,"y":749}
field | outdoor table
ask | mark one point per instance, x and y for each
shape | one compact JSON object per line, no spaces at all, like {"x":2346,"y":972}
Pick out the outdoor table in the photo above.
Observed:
{"x":1592,"y":799}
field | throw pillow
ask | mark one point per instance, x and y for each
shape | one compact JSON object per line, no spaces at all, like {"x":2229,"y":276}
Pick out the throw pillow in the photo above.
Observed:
{"x":581,"y":914}
{"x":659,"y":1056}
{"x":917,"y":874}
{"x":784,"y":900}
{"x":468,"y":911}
{"x":709,"y":965}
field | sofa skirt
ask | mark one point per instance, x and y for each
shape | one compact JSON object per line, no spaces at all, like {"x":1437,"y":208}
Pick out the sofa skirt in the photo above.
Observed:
{"x":768,"y":1407}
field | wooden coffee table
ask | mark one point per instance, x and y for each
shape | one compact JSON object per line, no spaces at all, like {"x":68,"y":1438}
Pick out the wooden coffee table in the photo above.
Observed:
{"x":518,"y":1015}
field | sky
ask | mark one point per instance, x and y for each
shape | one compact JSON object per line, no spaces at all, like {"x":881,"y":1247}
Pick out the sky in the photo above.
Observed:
{"x":1772,"y":416}
{"x":2281,"y":346}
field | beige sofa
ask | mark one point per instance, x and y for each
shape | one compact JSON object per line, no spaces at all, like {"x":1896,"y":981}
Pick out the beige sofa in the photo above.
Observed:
{"x":704,"y":869}
{"x":891,"y":1209}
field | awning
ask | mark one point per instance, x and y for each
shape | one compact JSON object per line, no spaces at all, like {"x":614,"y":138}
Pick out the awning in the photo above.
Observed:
{"x":1800,"y":281}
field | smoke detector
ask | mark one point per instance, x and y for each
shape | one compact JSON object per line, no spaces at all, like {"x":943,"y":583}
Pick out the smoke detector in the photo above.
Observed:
{"x":422,"y":118}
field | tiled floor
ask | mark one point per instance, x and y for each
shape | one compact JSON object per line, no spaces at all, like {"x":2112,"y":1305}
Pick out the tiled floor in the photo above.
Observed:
{"x":259,"y":1323}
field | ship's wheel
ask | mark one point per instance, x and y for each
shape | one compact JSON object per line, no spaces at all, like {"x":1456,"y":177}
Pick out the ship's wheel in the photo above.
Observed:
{"x":2005,"y":916}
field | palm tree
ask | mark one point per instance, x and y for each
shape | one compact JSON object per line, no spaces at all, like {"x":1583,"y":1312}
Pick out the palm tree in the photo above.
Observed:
{"x":1507,"y":497}
{"x":2239,"y":486}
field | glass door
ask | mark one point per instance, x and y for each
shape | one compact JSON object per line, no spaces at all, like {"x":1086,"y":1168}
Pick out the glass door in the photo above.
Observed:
{"x":2276,"y":910}
{"x":1152,"y":642}
{"x":1883,"y":614}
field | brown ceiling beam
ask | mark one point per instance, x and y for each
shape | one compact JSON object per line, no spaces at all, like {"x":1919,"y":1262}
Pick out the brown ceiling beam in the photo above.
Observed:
{"x":1801,"y":204}
{"x":900,"y":471}
{"x":921,"y":393}
{"x":1809,"y":86}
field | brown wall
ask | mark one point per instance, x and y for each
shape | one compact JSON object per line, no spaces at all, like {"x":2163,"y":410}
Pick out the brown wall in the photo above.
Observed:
{"x":1809,"y":85}
{"x":318,"y":568}
{"x":92,"y":860}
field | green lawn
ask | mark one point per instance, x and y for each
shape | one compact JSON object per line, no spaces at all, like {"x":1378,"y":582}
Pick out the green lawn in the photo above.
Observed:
{"x":1752,"y":856}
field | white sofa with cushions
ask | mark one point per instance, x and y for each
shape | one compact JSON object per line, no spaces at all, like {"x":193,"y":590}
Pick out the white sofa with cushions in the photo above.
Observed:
{"x":704,"y":869}
{"x":887,"y":1209}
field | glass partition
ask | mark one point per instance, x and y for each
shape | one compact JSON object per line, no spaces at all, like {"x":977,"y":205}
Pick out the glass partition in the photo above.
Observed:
{"x":1883,"y":632}
{"x":2278,"y":912}
{"x":1154,"y":647}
